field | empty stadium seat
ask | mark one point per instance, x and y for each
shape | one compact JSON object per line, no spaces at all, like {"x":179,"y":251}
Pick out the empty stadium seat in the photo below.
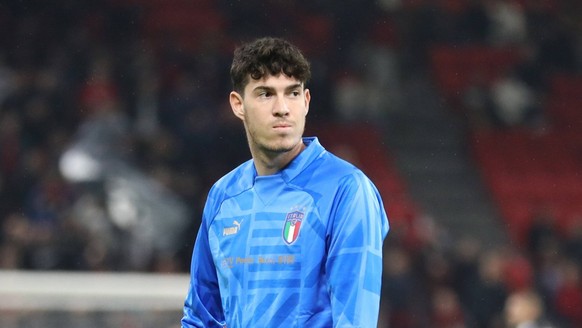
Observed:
{"x":454,"y":68}
{"x":362,"y":145}
{"x":525,"y":170}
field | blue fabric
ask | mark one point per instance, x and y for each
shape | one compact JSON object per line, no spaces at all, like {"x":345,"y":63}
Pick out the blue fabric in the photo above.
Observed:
{"x":245,"y":274}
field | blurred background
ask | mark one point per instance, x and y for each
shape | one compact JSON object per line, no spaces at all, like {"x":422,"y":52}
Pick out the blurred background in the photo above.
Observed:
{"x":467,"y":115}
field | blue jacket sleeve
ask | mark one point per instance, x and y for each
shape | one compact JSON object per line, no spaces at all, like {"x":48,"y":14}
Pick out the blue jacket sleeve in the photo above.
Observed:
{"x":354,"y":265}
{"x":203,"y":307}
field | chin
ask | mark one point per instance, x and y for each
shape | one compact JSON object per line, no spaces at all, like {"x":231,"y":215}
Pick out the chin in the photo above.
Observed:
{"x":279,"y":148}
{"x":282,"y":146}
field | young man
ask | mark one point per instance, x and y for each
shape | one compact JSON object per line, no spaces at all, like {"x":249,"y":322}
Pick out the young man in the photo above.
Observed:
{"x":292,"y":237}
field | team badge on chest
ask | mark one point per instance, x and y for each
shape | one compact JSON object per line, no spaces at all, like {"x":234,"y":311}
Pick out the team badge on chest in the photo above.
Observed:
{"x":292,"y":226}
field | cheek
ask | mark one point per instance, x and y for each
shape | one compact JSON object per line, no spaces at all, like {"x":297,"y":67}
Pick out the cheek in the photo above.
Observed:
{"x":252,"y":120}
{"x":304,"y":112}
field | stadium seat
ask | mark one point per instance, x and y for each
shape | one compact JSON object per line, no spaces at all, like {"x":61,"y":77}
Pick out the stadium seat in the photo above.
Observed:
{"x":363,"y":146}
{"x":184,"y":23}
{"x":455,"y":68}
{"x":525,"y":170}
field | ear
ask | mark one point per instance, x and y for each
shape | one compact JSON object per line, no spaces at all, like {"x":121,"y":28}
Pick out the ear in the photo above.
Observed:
{"x":307,"y":100}
{"x":237,"y":105}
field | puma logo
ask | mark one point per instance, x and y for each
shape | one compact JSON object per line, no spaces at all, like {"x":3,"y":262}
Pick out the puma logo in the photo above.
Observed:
{"x":232,"y":230}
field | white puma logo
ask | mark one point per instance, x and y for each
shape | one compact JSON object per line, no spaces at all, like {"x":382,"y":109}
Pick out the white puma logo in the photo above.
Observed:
{"x":232,"y":230}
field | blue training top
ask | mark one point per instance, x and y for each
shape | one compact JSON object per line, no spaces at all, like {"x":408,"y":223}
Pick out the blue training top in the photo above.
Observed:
{"x":300,"y":248}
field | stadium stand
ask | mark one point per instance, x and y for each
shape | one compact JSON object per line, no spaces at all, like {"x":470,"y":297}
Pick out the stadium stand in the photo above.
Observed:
{"x":457,"y":67}
{"x":363,"y":145}
{"x":528,"y":170}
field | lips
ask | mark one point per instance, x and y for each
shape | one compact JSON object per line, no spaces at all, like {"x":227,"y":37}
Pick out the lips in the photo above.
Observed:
{"x":281,"y":125}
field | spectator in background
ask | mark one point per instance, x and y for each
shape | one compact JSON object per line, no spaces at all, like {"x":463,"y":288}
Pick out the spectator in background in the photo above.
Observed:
{"x":487,"y":295}
{"x":10,"y":152}
{"x":568,"y":297}
{"x":446,"y":311}
{"x":476,"y":100}
{"x":557,"y":46}
{"x":508,"y":23}
{"x":349,"y":97}
{"x":548,"y":273}
{"x":573,"y":244}
{"x":465,"y":263}
{"x":513,"y":102}
{"x":400,"y":287}
{"x":518,"y":272}
{"x":525,"y":309}
{"x":7,"y":79}
{"x":376,"y":57}
{"x":474,"y":23}
{"x":100,"y":92}
{"x":542,"y":233}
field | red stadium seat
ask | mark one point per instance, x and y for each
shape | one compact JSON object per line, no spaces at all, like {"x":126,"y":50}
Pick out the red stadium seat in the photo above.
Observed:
{"x":363,"y":145}
{"x":183,"y":23}
{"x":525,"y":170}
{"x":455,"y":68}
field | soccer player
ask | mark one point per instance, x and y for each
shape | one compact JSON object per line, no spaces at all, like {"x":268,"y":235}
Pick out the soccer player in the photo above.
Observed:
{"x":292,"y":237}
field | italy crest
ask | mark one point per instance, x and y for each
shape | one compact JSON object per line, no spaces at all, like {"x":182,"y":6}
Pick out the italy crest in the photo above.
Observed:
{"x":292,"y":225}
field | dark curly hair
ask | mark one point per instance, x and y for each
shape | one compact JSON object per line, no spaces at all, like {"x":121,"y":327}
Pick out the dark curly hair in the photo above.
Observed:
{"x":267,"y":56}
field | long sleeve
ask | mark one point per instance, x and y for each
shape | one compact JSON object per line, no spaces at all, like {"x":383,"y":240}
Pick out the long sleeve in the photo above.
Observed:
{"x":354,"y":265}
{"x":202,"y":307}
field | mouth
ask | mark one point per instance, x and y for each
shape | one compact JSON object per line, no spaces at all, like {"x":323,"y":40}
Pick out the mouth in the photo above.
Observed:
{"x":282,"y":126}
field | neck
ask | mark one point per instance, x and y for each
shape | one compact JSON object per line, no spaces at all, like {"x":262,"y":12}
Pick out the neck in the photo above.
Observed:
{"x":269,"y":163}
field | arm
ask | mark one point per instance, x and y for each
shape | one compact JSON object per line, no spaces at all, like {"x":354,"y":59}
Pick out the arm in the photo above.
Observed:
{"x":354,"y":267}
{"x":203,"y":307}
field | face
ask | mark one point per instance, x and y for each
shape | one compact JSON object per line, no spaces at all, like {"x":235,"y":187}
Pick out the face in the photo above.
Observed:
{"x":273,"y":110}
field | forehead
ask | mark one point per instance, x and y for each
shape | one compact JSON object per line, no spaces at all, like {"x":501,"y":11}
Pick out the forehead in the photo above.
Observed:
{"x":273,"y":81}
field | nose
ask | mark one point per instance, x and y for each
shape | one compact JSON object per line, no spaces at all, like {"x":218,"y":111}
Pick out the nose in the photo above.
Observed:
{"x":281,"y":107}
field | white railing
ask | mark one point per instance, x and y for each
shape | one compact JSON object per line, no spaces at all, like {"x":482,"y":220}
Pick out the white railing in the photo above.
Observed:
{"x":68,"y":291}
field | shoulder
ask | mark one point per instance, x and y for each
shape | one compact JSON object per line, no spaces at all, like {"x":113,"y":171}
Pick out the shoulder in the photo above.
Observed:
{"x":234,"y":182}
{"x":230,"y":185}
{"x":347,"y":178}
{"x":331,"y":173}
{"x":340,"y":169}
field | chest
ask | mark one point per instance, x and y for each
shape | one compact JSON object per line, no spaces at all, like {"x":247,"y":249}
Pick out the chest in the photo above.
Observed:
{"x":257,"y":234}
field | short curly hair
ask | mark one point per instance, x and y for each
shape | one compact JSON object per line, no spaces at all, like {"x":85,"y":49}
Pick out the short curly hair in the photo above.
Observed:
{"x":267,"y":56}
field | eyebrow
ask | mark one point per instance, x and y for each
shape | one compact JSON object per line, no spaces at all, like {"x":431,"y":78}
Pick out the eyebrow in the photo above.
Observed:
{"x":294,"y":86}
{"x":268,"y":88}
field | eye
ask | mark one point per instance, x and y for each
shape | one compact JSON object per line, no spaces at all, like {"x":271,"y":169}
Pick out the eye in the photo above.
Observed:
{"x":264,"y":94}
{"x":295,"y":93}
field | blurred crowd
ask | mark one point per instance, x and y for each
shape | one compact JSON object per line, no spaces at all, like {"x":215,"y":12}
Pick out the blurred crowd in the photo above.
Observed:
{"x":86,"y":88}
{"x":439,"y":282}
